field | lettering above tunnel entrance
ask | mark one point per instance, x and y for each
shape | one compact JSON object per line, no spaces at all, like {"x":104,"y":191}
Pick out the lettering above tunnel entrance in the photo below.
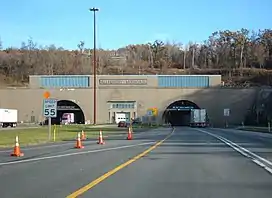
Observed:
{"x":74,"y":108}
{"x":123,"y":81}
{"x":181,"y":108}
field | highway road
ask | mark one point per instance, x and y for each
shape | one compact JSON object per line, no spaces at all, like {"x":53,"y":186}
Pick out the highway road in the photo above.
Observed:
{"x":186,"y":162}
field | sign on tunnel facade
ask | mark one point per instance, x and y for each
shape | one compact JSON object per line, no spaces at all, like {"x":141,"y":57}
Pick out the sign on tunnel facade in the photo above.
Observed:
{"x":123,"y":82}
{"x":71,"y":108}
{"x":181,"y":108}
{"x":152,"y":112}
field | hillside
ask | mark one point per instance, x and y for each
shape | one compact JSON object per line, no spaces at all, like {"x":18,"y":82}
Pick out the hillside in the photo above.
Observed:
{"x":243,"y":58}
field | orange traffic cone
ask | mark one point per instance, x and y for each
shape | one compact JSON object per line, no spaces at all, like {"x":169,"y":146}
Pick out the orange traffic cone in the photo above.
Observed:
{"x":100,"y":139}
{"x":129,"y":137}
{"x":83,"y":136}
{"x":79,"y":143}
{"x":17,"y":151}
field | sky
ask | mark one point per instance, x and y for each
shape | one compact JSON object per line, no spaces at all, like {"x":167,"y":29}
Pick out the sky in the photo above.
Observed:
{"x":65,"y":23}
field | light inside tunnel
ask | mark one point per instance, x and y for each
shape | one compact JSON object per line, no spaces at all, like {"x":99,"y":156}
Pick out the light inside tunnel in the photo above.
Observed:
{"x":68,"y":111}
{"x":178,"y":113}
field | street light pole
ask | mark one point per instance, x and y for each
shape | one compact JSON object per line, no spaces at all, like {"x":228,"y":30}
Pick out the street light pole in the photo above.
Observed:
{"x":94,"y":10}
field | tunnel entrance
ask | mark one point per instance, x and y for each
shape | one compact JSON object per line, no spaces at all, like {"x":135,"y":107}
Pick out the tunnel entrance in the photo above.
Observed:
{"x":178,"y":113}
{"x":68,"y":112}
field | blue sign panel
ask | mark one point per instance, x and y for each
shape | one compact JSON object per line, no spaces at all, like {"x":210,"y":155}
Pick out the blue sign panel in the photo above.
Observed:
{"x":149,"y":113}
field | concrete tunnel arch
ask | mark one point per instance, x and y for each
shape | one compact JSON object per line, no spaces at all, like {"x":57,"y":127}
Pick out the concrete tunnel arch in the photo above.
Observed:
{"x":68,"y":106}
{"x":178,"y":113}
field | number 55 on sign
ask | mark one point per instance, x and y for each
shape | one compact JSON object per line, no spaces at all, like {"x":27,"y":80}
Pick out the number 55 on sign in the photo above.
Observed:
{"x":50,"y":108}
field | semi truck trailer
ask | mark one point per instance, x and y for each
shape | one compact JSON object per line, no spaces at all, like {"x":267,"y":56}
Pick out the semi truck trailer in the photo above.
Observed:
{"x":198,"y":118}
{"x":8,"y":118}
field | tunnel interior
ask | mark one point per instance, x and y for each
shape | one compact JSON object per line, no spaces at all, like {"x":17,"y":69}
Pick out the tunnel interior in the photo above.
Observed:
{"x":68,"y":112}
{"x":178,"y":113}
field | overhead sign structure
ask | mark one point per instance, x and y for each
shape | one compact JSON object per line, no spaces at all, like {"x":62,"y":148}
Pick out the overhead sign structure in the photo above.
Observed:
{"x":226,"y":112}
{"x":50,"y":108}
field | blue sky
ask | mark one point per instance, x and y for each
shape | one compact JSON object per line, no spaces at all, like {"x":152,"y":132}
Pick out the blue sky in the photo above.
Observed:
{"x":122,"y":22}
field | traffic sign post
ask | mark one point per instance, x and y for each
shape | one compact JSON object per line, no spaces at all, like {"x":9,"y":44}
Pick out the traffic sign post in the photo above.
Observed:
{"x":152,"y":113}
{"x":149,"y":113}
{"x":226,"y":114}
{"x":49,"y":111}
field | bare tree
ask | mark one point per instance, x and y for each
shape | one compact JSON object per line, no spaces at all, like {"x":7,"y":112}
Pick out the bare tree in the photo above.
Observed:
{"x":240,"y":55}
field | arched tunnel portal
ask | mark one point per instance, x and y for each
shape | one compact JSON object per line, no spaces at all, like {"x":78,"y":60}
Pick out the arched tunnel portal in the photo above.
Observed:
{"x":68,"y":112}
{"x":178,"y":113}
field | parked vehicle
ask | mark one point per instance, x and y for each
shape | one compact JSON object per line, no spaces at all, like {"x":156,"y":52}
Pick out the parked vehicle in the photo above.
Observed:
{"x":122,"y":124}
{"x":122,"y":117}
{"x":136,"y":121}
{"x":8,"y":117}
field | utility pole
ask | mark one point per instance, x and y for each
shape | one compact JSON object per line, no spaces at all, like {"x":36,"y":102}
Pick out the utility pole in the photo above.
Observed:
{"x":94,"y":10}
{"x":184,"y":58}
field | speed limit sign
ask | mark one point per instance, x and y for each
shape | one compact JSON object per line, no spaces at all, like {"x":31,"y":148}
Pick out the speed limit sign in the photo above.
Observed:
{"x":50,"y":108}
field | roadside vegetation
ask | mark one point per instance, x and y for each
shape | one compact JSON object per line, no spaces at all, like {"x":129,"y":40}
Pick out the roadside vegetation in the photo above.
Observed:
{"x":34,"y":136}
{"x":243,"y":58}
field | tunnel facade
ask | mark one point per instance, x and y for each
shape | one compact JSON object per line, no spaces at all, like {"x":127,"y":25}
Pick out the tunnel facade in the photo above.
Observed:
{"x":133,"y":95}
{"x":178,"y":113}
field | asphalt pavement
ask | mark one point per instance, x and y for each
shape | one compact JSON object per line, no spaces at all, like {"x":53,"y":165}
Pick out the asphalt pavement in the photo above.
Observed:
{"x":190,"y":162}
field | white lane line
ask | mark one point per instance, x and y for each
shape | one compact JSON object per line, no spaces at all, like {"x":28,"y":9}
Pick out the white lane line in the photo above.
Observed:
{"x":193,"y":144}
{"x":245,"y":152}
{"x":77,"y":153}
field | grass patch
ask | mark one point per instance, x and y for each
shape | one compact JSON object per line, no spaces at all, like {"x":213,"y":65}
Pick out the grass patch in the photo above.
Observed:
{"x":33,"y":136}
{"x":146,"y":126}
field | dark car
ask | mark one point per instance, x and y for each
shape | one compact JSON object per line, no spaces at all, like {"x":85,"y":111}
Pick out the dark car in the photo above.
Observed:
{"x":53,"y":121}
{"x":136,"y":121}
{"x":122,"y":124}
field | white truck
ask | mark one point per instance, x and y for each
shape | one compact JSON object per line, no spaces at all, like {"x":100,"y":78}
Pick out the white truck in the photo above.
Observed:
{"x":68,"y":118}
{"x":122,"y":117}
{"x":8,"y":117}
{"x":198,"y":118}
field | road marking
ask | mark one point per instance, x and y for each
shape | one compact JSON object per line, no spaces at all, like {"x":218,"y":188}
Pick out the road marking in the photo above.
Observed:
{"x":77,"y":153}
{"x":193,"y":144}
{"x":260,"y":161}
{"x":113,"y":171}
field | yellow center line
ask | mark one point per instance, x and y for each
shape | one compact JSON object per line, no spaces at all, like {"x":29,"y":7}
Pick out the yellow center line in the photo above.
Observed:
{"x":111,"y":172}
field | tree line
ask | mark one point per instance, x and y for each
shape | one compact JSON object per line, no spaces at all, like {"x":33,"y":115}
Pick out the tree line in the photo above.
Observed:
{"x":242,"y":56}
